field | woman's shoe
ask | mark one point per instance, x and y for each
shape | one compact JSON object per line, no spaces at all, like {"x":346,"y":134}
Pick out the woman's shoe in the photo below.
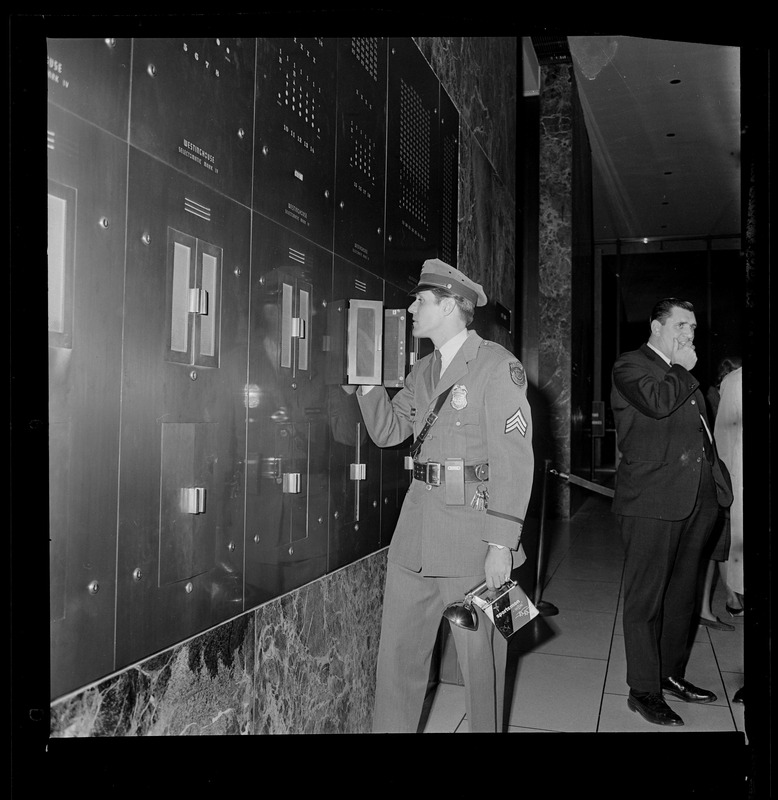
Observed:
{"x":716,"y":624}
{"x":734,"y":612}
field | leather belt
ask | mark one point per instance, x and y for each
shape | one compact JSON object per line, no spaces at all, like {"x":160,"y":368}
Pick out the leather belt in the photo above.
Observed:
{"x":434,"y":473}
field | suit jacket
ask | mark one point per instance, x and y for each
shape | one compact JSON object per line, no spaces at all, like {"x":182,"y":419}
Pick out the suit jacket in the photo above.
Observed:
{"x":486,"y":419}
{"x":657,"y":411}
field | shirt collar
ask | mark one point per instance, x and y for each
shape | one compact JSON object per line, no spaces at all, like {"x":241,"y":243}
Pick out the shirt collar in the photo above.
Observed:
{"x":451,"y":348}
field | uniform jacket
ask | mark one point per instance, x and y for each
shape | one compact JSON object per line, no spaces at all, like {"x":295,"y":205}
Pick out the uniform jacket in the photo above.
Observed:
{"x":485,"y":419}
{"x":657,"y":408}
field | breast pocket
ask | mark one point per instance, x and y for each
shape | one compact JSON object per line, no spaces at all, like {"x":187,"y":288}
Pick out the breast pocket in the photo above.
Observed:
{"x":468,"y":439}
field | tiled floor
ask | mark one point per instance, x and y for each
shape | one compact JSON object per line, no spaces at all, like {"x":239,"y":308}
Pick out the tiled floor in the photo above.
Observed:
{"x":570,"y":668}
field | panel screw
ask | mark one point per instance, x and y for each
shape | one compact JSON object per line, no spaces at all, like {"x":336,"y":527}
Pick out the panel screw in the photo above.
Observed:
{"x":104,"y":222}
{"x":193,"y":374}
{"x":291,"y":550}
{"x":231,"y":546}
{"x":94,"y":587}
{"x":146,"y":238}
{"x":241,"y":133}
{"x":152,"y":70}
{"x":189,"y":587}
{"x":236,"y":272}
{"x":256,"y":538}
{"x":137,"y":574}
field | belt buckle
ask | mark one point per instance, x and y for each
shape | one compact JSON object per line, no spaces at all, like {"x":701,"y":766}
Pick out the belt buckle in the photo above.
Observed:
{"x":433,"y":473}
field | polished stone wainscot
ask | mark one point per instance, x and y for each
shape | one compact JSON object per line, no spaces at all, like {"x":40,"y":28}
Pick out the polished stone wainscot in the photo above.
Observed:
{"x":303,"y":663}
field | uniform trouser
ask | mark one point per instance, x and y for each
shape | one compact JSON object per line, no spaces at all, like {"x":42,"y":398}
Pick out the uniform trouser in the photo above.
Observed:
{"x":413,"y":609}
{"x":661,"y":571}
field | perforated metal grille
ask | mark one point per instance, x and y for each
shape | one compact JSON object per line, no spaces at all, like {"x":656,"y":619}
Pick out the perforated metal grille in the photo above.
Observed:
{"x":300,"y":93}
{"x":415,"y":128}
{"x":365,"y":50}
{"x":363,"y":158}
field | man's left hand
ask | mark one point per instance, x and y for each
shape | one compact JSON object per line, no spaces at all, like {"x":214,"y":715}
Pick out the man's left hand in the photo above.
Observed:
{"x":498,"y":566}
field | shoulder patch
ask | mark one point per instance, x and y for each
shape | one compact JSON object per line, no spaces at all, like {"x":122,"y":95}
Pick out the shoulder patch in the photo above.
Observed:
{"x":517,"y":373}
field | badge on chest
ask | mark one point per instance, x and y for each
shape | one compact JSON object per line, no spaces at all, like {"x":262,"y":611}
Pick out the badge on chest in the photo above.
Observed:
{"x":459,"y":397}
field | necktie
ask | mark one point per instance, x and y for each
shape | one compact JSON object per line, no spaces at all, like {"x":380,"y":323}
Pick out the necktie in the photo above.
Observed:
{"x":436,"y":368}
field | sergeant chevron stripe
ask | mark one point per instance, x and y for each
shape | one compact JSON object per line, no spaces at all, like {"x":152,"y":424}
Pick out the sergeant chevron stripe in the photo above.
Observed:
{"x":516,"y":423}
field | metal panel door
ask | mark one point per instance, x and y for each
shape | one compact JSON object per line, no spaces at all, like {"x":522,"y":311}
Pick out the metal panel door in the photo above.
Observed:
{"x":361,"y":151}
{"x":395,"y":476}
{"x":289,"y":418}
{"x":91,"y":78}
{"x":180,"y":553}
{"x":355,"y":461}
{"x":193,"y":108}
{"x":412,"y":164}
{"x":294,"y":173}
{"x":86,"y":279}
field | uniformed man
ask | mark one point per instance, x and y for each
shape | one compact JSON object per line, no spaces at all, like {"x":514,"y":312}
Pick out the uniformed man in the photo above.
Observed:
{"x":462,"y":517}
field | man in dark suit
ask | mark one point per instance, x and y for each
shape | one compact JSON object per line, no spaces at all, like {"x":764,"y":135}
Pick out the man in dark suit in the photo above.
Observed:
{"x":669,"y":486}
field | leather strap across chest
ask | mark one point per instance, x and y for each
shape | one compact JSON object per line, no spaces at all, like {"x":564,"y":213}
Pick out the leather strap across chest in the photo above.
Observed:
{"x":429,"y":422}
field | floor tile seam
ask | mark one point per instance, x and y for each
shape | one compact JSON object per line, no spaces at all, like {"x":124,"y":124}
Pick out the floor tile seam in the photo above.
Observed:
{"x":608,"y":661}
{"x":562,"y":655}
{"x":721,"y":677}
{"x":529,"y":728}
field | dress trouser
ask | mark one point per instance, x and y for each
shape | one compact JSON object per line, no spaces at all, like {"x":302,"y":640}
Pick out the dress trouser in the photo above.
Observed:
{"x":661,"y":570}
{"x":413,"y":609}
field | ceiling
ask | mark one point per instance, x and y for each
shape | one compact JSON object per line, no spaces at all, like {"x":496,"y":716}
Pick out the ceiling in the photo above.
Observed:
{"x":663,"y":119}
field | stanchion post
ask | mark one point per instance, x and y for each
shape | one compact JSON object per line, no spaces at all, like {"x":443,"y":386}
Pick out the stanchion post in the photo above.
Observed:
{"x":545,"y":608}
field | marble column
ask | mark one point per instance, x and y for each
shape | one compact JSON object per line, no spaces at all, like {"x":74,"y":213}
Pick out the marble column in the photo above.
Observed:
{"x":555,"y":271}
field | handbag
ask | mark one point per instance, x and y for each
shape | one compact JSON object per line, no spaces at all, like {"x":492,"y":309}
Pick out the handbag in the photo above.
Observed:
{"x":507,"y":608}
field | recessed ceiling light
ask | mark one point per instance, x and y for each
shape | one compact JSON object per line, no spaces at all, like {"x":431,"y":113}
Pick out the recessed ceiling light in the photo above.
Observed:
{"x":669,"y":172}
{"x":675,"y":80}
{"x":670,"y":134}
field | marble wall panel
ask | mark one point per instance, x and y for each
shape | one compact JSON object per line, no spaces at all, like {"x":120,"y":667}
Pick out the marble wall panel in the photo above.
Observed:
{"x":201,"y":687}
{"x":316,"y":654}
{"x":480,"y":75}
{"x":304,"y":663}
{"x":487,"y":242}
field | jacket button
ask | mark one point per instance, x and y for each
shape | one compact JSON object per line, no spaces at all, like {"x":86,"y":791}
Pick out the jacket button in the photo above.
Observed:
{"x":429,"y":485}
{"x":694,"y":402}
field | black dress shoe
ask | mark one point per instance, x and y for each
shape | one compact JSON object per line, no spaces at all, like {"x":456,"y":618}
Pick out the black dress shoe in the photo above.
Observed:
{"x":684,"y":690}
{"x":654,"y":708}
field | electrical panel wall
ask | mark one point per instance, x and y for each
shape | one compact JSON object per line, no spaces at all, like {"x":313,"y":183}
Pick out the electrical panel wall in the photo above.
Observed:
{"x":233,"y":227}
